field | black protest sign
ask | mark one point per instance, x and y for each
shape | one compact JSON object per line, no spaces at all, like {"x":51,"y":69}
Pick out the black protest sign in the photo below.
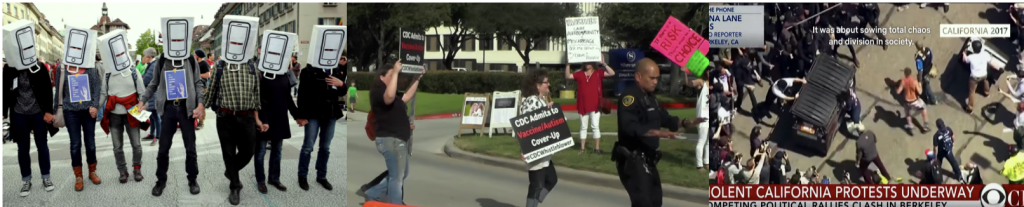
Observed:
{"x":542,"y":132}
{"x":412,"y":52}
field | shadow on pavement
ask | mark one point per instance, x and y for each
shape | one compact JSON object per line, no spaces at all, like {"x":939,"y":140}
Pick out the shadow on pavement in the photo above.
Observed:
{"x":840,"y":168}
{"x":995,"y":113}
{"x":891,"y":118}
{"x":487,"y":202}
{"x":999,"y":147}
{"x":953,"y":80}
{"x":998,"y":15}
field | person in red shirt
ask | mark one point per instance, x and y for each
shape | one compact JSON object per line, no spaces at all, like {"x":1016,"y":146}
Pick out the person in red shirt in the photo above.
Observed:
{"x":588,"y":99}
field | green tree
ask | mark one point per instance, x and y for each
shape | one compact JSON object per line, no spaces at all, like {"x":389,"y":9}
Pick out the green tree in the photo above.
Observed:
{"x":147,"y":40}
{"x":459,"y":33}
{"x":522,"y":25}
{"x":382,"y":22}
{"x":634,"y":25}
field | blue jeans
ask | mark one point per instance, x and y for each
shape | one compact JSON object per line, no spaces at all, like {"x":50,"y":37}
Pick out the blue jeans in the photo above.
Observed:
{"x":396,"y":157}
{"x":275,"y":160}
{"x":79,"y":124}
{"x":948,"y":155}
{"x":21,"y":127}
{"x":325,"y":128}
{"x":854,"y":113}
{"x":154,"y":126}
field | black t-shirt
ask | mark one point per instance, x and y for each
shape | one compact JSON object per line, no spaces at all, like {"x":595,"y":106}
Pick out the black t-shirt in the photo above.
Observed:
{"x":392,"y":120}
{"x":204,"y":67}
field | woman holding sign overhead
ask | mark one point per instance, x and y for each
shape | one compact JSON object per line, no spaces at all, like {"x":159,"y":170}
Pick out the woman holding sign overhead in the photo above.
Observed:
{"x":542,"y":172}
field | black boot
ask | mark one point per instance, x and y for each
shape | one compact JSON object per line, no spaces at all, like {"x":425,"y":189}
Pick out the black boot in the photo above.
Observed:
{"x":193,"y":187}
{"x":159,"y":189}
{"x":303,"y":184}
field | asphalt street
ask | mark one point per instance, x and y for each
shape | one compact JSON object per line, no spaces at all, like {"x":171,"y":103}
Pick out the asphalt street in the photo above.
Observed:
{"x":211,"y":179}
{"x":436,"y":180}
{"x":980,"y":137}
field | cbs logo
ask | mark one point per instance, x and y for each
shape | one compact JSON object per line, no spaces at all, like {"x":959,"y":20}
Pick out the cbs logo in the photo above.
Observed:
{"x":993,"y":195}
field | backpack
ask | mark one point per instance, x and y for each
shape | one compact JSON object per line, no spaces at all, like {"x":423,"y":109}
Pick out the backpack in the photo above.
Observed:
{"x":371,"y":126}
{"x":216,"y":89}
{"x":720,"y":177}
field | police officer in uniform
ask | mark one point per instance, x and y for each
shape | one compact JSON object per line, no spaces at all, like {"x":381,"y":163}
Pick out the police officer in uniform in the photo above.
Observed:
{"x":869,"y":14}
{"x":641,"y":120}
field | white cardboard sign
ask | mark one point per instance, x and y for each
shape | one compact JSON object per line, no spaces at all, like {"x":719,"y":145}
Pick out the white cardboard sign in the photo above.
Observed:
{"x":79,"y":47}
{"x":239,"y":38}
{"x":504,"y":107}
{"x":276,"y":54}
{"x":178,"y":40}
{"x":583,"y":39}
{"x":326,"y":45}
{"x":114,"y":52}
{"x":20,"y":44}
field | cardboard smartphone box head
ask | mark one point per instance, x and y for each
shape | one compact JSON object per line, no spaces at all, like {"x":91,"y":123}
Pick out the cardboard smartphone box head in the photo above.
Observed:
{"x":79,"y":47}
{"x":114,"y":52}
{"x":326,"y":46}
{"x":20,"y":44}
{"x":239,"y":35}
{"x":178,"y":37}
{"x":276,"y":55}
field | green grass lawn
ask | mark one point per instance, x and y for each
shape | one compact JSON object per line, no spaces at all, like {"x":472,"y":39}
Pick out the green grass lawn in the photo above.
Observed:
{"x":676,"y":166}
{"x":432,"y":103}
{"x":609,"y":123}
{"x":426,"y":103}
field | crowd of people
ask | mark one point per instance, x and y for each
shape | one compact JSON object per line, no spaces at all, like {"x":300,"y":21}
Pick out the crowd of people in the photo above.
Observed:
{"x":784,"y":62}
{"x":252,"y":110}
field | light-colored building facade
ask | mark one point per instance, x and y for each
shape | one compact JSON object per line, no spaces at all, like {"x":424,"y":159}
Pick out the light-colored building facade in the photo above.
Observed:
{"x":487,"y":53}
{"x":298,"y":18}
{"x":49,"y":41}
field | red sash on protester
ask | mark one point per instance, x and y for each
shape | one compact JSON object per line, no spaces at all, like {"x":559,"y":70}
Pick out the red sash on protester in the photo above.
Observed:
{"x":128,"y":102}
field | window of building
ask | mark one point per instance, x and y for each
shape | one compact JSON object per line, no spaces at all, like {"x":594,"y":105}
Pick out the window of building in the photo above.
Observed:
{"x":486,"y":41}
{"x":504,"y":44}
{"x":329,"y":21}
{"x":15,"y":11}
{"x":433,"y":43}
{"x":541,"y":44}
{"x":8,"y":8}
{"x":468,"y":44}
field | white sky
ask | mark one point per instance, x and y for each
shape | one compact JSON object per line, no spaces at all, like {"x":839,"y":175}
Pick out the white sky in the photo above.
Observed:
{"x":138,"y":16}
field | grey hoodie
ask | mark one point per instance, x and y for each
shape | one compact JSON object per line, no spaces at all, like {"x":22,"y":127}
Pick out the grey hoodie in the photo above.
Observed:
{"x":158,"y":90}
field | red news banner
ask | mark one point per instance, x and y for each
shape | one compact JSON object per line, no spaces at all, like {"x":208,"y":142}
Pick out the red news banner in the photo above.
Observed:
{"x":865,"y":195}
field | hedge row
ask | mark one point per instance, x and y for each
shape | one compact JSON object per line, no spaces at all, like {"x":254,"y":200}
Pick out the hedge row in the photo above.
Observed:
{"x":451,"y":82}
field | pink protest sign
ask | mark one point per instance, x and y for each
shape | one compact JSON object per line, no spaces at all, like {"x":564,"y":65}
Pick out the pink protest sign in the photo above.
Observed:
{"x":678,"y":42}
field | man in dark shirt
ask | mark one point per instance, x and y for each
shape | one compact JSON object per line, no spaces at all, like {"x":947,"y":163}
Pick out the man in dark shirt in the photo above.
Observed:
{"x":641,"y":120}
{"x":394,"y":132}
{"x":204,"y":72}
{"x":745,"y":76}
{"x":867,"y":154}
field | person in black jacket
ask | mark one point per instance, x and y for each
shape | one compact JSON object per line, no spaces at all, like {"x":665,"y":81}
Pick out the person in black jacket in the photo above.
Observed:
{"x":28,"y":102}
{"x":277,"y":103}
{"x":320,"y":90}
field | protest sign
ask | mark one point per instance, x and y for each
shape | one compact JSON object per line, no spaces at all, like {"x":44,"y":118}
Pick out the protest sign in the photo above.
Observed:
{"x":542,"y":132}
{"x":175,"y":81}
{"x":624,"y":61}
{"x":412,"y":52}
{"x":78,"y":87}
{"x":474,"y":109}
{"x":697,"y":64}
{"x":583,"y":39}
{"x":504,"y":108}
{"x":678,"y":42}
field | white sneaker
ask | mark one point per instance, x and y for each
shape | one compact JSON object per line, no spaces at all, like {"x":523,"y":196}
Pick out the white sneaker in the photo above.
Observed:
{"x":26,"y":188}
{"x":47,"y":185}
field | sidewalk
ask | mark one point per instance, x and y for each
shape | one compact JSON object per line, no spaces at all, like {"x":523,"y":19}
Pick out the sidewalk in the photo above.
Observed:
{"x":211,"y":179}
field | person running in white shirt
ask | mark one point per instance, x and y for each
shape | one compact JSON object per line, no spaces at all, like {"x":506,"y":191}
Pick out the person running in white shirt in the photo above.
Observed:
{"x":979,"y":61}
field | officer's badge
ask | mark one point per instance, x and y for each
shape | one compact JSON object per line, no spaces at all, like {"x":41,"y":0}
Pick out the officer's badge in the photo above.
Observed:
{"x":627,"y":100}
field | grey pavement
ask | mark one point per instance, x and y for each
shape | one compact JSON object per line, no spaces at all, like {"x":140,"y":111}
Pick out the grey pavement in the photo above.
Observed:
{"x":437,"y":180}
{"x":978,"y":140}
{"x":211,"y":179}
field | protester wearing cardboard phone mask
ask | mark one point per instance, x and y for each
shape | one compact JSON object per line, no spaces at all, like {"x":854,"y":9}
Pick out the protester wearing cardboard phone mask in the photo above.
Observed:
{"x":27,"y":101}
{"x":178,"y":102}
{"x":275,"y":97}
{"x":78,"y":96}
{"x":320,"y":89}
{"x":234,"y":95}
{"x":120,"y":93}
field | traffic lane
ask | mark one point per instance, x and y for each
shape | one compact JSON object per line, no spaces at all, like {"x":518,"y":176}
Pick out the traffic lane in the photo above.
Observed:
{"x":436,"y":180}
